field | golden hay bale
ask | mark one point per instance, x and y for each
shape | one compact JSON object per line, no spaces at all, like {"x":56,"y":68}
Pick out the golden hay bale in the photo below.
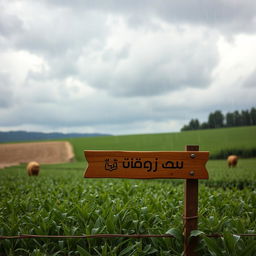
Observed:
{"x":232,"y":160}
{"x":33,"y":168}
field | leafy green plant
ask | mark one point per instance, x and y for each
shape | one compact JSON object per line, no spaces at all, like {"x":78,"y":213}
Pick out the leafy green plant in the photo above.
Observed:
{"x":228,"y":245}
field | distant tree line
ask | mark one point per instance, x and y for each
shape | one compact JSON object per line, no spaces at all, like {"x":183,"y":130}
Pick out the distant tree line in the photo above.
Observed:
{"x":218,"y":120}
{"x":15,"y":136}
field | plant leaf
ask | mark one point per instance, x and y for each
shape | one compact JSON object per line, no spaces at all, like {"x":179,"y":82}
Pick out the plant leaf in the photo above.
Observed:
{"x":82,"y":251}
{"x":213,"y":246}
{"x":195,"y":233}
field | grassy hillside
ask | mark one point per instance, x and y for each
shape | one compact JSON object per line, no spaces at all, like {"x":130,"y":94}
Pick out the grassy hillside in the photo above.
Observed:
{"x":213,"y":140}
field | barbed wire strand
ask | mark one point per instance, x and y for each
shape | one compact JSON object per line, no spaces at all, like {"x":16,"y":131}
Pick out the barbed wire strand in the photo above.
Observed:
{"x":24,"y":236}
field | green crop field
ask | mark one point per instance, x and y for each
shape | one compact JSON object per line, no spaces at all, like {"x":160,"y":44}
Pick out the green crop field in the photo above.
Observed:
{"x":214,"y":140}
{"x":61,"y":202}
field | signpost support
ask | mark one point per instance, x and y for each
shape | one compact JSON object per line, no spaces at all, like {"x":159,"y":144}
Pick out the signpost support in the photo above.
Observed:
{"x":188,"y":165}
{"x":190,"y":209}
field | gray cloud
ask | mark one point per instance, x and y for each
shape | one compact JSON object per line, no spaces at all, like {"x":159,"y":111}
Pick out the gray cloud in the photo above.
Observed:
{"x":155,"y":65}
{"x":73,"y":24}
{"x":9,"y":24}
{"x":62,"y":37}
{"x":230,"y":16}
{"x":51,"y":32}
{"x":6,"y":90}
{"x":250,"y":82}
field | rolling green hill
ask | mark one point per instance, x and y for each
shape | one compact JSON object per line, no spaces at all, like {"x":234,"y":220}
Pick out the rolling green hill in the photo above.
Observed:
{"x":220,"y":142}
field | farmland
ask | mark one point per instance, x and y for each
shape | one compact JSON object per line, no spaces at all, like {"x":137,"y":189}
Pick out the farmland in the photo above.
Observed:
{"x":214,"y":140}
{"x":61,"y":202}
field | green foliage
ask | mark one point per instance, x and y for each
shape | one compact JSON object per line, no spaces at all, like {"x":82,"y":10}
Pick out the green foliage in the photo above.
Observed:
{"x":218,"y":120}
{"x":193,"y":125}
{"x":228,"y":245}
{"x":61,"y":202}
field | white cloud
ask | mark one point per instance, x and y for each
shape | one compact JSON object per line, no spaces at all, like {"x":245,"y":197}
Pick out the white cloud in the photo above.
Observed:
{"x":18,"y":63}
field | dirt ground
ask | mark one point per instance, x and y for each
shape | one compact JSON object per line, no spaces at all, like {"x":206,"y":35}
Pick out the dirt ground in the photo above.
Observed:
{"x":42,"y":152}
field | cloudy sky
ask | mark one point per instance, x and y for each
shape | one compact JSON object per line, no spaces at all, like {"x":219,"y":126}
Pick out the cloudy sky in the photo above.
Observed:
{"x":124,"y":67}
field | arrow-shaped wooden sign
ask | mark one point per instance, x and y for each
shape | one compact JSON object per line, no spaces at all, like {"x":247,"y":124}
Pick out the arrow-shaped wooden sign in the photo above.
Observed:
{"x":146,"y":164}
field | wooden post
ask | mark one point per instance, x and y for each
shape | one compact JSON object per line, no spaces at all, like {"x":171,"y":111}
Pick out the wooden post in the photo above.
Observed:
{"x":190,"y":209}
{"x":189,"y":165}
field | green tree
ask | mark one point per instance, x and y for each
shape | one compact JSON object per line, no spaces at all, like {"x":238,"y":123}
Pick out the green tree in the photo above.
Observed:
{"x":185,"y":128}
{"x":194,"y":124}
{"x":216,"y":119}
{"x":253,"y":116}
{"x":230,"y":120}
{"x":246,"y":117}
{"x":204,"y":125}
{"x":237,"y":118}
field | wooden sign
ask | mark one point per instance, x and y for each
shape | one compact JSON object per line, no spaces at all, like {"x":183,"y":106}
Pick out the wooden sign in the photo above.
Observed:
{"x":146,"y":164}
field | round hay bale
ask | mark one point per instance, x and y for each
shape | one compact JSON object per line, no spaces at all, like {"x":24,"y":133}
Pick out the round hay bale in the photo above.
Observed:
{"x":232,"y":160}
{"x":33,"y":168}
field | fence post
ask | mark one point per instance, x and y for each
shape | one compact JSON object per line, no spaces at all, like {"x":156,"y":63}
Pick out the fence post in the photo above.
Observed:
{"x":190,"y":209}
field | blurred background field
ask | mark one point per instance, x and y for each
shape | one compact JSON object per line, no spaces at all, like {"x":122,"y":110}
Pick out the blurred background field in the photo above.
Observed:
{"x":219,"y":172}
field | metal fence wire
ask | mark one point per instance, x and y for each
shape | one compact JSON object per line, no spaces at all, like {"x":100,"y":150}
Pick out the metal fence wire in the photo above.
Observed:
{"x":26,"y":236}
